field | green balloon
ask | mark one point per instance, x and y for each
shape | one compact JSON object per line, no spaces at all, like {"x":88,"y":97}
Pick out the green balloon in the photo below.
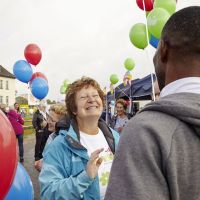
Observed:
{"x":156,"y":20}
{"x":63,"y":89}
{"x":129,"y":64}
{"x":114,"y":78}
{"x":66,"y":82}
{"x":169,"y":5}
{"x":138,"y":36}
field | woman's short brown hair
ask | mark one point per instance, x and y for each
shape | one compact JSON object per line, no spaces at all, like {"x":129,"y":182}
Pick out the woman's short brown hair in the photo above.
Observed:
{"x":122,"y":102}
{"x":77,"y":86}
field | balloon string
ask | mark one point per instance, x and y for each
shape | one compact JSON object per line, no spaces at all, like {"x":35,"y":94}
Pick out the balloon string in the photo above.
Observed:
{"x":147,"y":52}
{"x":107,"y":110}
{"x":122,"y":92}
{"x":130,"y":99}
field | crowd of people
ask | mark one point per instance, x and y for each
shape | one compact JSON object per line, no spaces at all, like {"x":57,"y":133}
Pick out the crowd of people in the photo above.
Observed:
{"x":153,"y":155}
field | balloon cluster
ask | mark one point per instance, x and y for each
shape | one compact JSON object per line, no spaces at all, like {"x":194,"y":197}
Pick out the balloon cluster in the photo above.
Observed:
{"x":159,"y":12}
{"x":15,"y":182}
{"x":23,"y":72}
{"x":113,"y":80}
{"x":129,"y":64}
{"x":64,"y":86}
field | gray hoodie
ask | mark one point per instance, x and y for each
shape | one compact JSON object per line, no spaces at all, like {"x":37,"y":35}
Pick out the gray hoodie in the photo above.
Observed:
{"x":158,"y":156}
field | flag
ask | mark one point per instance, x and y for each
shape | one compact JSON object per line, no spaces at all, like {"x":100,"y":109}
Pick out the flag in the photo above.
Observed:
{"x":127,"y":78}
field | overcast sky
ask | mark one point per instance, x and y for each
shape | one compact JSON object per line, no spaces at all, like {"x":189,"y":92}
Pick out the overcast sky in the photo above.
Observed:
{"x":77,"y":38}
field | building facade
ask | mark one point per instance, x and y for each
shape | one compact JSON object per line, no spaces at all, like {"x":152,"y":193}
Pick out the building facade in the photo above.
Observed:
{"x":7,"y":87}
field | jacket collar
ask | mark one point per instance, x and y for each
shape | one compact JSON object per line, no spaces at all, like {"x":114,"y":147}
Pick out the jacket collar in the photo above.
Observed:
{"x":107,"y":134}
{"x":73,"y":137}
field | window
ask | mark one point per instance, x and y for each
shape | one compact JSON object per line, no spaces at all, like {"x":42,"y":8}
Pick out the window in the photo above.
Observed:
{"x":1,"y":99}
{"x":7,"y":88}
{"x":1,"y":84}
{"x":7,"y":100}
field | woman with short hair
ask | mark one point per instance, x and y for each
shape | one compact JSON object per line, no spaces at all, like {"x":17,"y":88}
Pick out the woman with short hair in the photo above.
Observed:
{"x":57,"y":112}
{"x":119,"y":120}
{"x":77,"y":163}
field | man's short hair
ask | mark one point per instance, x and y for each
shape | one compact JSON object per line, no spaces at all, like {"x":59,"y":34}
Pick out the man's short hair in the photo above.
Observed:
{"x":182,"y":31}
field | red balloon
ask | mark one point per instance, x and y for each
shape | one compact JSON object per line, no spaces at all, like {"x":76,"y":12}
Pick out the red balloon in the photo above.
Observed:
{"x":37,"y":75}
{"x":33,"y":54}
{"x":148,"y":4}
{"x":8,"y":155}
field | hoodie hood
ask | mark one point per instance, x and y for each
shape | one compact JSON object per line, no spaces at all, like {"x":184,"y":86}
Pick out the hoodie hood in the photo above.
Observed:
{"x":183,"y":106}
{"x":63,"y":124}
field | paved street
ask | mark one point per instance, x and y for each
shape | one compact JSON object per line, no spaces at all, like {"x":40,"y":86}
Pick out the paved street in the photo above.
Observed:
{"x":29,"y":145}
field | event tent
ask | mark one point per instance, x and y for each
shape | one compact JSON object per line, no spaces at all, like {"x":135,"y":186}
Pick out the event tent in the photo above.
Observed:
{"x":140,"y":89}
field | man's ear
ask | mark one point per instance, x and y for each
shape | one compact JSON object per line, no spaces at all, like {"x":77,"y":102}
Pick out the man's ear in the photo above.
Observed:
{"x":163,"y":51}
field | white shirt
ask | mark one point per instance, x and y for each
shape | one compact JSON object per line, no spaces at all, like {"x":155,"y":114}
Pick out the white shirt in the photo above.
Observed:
{"x":44,"y":114}
{"x":190,"y":84}
{"x":92,"y":143}
{"x":121,"y":122}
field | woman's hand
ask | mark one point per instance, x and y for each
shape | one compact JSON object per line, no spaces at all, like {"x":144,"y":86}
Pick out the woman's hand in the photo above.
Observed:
{"x":38,"y":164}
{"x":94,"y":163}
{"x":120,"y":129}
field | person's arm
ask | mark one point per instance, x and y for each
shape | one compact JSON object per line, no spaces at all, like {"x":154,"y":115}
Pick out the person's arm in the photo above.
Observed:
{"x":34,"y":122}
{"x":137,"y":172}
{"x":55,"y":183}
{"x":20,"y":119}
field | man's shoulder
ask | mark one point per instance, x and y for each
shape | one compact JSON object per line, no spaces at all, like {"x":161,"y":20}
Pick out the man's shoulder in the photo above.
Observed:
{"x":153,"y":117}
{"x":152,"y":124}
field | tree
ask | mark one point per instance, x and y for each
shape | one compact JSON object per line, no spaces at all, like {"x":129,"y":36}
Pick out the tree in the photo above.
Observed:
{"x":21,"y":100}
{"x":50,"y":102}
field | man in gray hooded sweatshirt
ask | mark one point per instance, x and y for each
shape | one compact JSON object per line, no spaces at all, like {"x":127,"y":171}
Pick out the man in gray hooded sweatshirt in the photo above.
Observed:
{"x":158,"y":157}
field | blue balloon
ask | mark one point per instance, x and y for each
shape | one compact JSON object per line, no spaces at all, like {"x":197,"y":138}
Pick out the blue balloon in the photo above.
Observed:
{"x":39,"y":88}
{"x":154,"y":41}
{"x":23,"y":71}
{"x":22,"y":187}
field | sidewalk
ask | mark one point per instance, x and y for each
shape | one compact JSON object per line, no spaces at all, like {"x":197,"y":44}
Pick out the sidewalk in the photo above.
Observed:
{"x":29,"y":145}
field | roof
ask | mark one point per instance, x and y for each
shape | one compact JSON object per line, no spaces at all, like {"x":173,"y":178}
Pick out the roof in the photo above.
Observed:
{"x":5,"y":73}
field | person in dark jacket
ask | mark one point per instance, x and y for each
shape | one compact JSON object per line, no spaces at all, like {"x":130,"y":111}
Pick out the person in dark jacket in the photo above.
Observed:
{"x":158,"y":154}
{"x":40,"y":125}
{"x":57,"y":114}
